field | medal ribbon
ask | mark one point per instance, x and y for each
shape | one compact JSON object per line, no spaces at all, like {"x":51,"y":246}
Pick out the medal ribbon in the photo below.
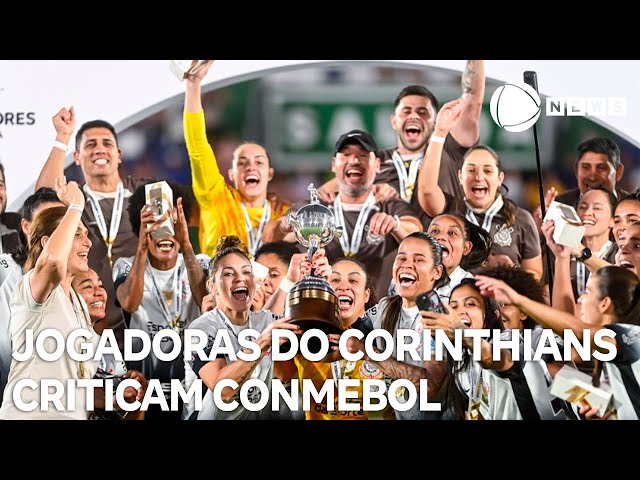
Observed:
{"x":172,"y":317}
{"x":350,"y":249}
{"x":255,"y":237}
{"x":407,"y":180}
{"x":109,"y":237}
{"x":488,"y":216}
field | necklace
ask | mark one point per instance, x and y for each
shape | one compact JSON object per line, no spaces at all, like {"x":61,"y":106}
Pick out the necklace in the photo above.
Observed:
{"x":166,"y":295}
{"x":80,"y":313}
{"x":109,"y":236}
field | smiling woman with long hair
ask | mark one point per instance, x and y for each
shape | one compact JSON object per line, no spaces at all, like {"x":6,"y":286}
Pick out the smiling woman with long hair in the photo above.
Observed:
{"x":514,"y":234}
{"x":491,"y":389}
{"x":232,"y":282}
{"x":611,"y":300}
{"x":418,"y":269}
{"x":44,"y":299}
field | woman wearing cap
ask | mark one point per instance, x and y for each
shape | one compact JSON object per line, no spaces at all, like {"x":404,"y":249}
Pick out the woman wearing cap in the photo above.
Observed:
{"x":513,"y":232}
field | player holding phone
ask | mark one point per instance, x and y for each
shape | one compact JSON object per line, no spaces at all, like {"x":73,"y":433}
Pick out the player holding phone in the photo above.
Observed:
{"x":430,"y":302}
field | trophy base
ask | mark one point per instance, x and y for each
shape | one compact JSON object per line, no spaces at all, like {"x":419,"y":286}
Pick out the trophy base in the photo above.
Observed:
{"x":315,"y":308}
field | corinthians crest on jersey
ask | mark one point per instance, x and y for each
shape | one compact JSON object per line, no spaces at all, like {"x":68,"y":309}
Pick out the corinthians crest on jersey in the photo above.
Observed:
{"x":367,"y":370}
{"x":503,"y":235}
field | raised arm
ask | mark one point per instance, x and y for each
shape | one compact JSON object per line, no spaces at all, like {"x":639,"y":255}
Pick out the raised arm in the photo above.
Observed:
{"x":277,"y":230}
{"x":450,"y":322}
{"x":205,"y":174}
{"x":593,"y":263}
{"x":562,"y":295}
{"x":400,"y":227}
{"x":64,"y":122}
{"x":430,"y":195}
{"x":467,"y":131}
{"x":129,"y":293}
{"x":197,"y":278}
{"x":545,"y":315}
{"x":51,"y":266}
{"x":299,"y":266}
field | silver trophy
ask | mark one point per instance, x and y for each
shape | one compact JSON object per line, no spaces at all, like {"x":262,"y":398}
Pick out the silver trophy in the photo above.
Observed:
{"x":312,"y":301}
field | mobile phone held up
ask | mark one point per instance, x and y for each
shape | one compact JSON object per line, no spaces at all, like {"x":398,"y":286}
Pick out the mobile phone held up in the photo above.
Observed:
{"x":430,"y":302}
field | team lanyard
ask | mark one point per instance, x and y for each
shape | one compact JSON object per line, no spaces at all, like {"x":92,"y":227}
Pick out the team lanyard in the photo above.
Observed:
{"x":255,"y":238}
{"x":109,"y":237}
{"x":173,"y":318}
{"x":488,"y":216}
{"x":350,"y":249}
{"x":581,"y":274}
{"x":407,"y":179}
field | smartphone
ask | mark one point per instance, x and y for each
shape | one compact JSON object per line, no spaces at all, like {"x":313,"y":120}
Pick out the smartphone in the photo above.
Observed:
{"x":430,"y":302}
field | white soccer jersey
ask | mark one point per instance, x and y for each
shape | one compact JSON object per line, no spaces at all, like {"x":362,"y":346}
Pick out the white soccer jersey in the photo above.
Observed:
{"x":166,"y":303}
{"x":211,"y":323}
{"x":409,"y":319}
{"x":521,"y":393}
{"x":624,"y":371}
{"x":455,"y":278}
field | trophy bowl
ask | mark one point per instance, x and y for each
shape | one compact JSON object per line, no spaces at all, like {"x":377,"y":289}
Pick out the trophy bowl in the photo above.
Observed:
{"x":312,"y":303}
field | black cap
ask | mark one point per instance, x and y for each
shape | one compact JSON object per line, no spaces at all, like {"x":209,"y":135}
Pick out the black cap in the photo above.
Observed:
{"x":356,"y":136}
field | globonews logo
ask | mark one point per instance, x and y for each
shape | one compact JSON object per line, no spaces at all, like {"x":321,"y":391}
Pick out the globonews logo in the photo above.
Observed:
{"x":516,"y":106}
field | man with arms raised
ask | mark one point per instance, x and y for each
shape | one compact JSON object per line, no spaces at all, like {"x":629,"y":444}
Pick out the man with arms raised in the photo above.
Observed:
{"x":413,"y":119}
{"x":106,"y":197}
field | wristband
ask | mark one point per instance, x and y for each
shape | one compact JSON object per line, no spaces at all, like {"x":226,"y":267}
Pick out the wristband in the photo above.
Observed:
{"x":586,"y":255}
{"x":75,"y":206}
{"x":437,"y":139}
{"x":62,"y":146}
{"x":286,"y":285}
{"x":395,"y":229}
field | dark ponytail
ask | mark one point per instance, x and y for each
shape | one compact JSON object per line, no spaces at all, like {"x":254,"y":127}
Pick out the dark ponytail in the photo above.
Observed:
{"x":623,"y":287}
{"x":392,"y":311}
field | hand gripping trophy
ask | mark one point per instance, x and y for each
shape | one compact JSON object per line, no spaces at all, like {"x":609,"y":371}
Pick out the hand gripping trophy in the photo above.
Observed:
{"x":312,"y":303}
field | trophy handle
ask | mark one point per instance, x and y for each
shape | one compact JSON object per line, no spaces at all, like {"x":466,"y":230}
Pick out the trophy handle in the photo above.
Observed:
{"x":293,"y":221}
{"x":337,"y":233}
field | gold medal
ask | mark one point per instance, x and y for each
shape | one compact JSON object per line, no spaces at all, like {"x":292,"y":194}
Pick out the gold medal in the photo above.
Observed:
{"x":408,"y":191}
{"x":400,"y":392}
{"x":82,"y":371}
{"x":168,"y":297}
